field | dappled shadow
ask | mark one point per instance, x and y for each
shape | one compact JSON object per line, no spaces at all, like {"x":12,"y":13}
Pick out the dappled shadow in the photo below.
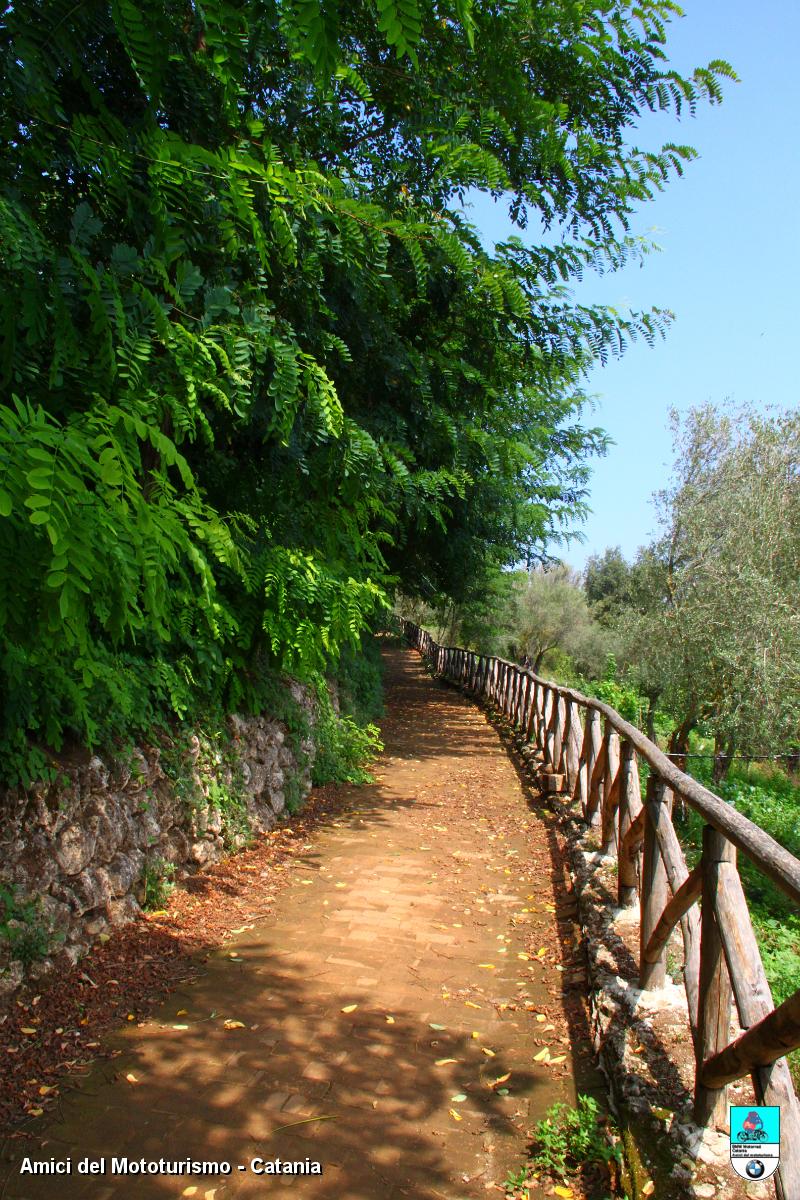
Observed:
{"x":341,"y":1044}
{"x":300,"y":1079}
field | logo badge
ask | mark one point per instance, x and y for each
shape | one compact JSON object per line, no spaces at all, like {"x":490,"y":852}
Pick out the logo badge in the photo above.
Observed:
{"x":755,"y":1140}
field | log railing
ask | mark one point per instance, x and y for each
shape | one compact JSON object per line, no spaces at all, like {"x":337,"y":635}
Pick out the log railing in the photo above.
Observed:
{"x":589,"y":752}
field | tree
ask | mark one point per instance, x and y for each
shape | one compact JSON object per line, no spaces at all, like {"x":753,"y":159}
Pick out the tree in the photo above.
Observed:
{"x":721,"y":629}
{"x":550,"y":612}
{"x":260,"y":368}
{"x":607,"y":583}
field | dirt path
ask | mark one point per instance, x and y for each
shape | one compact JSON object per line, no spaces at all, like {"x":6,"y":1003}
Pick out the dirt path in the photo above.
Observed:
{"x":384,"y":1020}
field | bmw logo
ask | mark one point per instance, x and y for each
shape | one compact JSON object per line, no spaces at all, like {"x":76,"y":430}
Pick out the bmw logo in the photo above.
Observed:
{"x":755,"y":1168}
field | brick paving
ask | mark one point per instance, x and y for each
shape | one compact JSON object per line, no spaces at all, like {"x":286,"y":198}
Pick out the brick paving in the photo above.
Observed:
{"x":410,"y":963}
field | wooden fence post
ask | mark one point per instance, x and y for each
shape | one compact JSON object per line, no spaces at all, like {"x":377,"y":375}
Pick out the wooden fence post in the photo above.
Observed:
{"x":714,"y":999}
{"x":627,"y":874}
{"x":655,"y":890}
{"x":611,"y":791}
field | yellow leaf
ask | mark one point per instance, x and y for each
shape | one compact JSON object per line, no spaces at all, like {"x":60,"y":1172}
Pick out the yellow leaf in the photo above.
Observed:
{"x":501,"y":1079}
{"x":131,"y":1078}
{"x":469,"y":1004}
{"x":565,"y":1192}
{"x":648,"y":1188}
{"x":45,"y":1091}
{"x":524,"y":957}
{"x":542,"y":1056}
{"x":486,"y":966}
{"x":558,"y":1059}
{"x":541,"y":1017}
{"x":489,"y":1053}
{"x":35,"y":1112}
{"x":189,"y":1191}
{"x":182,"y":1012}
{"x":131,"y":1016}
{"x":541,"y":951}
{"x":442,"y":1062}
{"x":348,"y":1008}
{"x":30,"y":1032}
{"x":390,"y":1020}
{"x":180,"y":1026}
{"x":229,"y":1024}
{"x":456,"y":1116}
{"x":211,"y":1194}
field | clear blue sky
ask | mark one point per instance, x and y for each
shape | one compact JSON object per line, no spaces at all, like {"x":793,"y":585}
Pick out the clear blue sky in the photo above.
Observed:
{"x":729,"y":267}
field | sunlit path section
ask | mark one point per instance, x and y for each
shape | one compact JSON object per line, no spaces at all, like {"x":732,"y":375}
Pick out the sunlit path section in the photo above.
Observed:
{"x":388,"y":1021}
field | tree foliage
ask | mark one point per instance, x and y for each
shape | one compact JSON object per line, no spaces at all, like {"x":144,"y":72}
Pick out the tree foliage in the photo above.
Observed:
{"x":550,"y":612}
{"x":258,"y":367}
{"x":716,"y":633}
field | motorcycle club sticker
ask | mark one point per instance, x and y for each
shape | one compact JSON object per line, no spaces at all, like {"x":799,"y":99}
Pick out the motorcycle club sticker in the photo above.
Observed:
{"x":755,"y":1140}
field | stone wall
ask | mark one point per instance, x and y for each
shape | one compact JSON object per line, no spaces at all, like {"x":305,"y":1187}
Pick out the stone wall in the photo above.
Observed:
{"x":76,"y":855}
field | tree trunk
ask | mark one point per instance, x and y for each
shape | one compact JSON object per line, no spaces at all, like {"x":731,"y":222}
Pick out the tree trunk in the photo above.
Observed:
{"x":679,"y":741}
{"x":723,"y":757}
{"x":538,"y":660}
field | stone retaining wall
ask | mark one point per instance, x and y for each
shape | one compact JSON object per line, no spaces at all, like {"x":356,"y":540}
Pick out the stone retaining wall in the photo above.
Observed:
{"x":76,"y":856}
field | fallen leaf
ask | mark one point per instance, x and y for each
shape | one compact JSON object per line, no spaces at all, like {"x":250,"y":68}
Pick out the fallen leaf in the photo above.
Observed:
{"x":434,"y":1026}
{"x":459,"y":1098}
{"x":348,"y":1008}
{"x":27,"y":1030}
{"x":182,"y":1012}
{"x":565,"y":1192}
{"x":390,"y":1020}
{"x":470,"y":1004}
{"x":131,"y":1078}
{"x":648,"y":1188}
{"x":542,"y":1056}
{"x":558,"y":1059}
{"x":456,"y":1116}
{"x":524,"y":957}
{"x":489,"y":1053}
{"x":35,"y":1112}
{"x":442,"y":1062}
{"x":44,"y":1090}
{"x":229,"y":1024}
{"x":189,"y":1191}
{"x":180,"y":1026}
{"x":541,"y":1017}
{"x":500,"y":1079}
{"x":486,"y":966}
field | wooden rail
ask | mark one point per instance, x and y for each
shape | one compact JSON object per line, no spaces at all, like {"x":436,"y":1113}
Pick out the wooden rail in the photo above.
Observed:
{"x":589,"y":752}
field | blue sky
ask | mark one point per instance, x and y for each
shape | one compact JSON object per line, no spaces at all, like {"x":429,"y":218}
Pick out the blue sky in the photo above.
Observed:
{"x":729,"y":267}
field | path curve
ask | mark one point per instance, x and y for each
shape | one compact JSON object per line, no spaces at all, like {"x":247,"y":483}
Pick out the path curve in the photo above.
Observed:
{"x":412,"y":962}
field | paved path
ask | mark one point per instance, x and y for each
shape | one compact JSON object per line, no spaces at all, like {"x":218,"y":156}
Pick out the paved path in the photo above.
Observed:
{"x":397,"y":981}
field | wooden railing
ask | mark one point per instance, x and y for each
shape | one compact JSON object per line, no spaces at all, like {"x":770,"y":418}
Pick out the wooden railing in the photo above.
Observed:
{"x":591,"y":753}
